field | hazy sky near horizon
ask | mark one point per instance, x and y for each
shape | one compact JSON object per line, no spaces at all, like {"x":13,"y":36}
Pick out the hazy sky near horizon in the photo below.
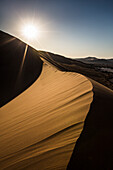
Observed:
{"x":73,"y":28}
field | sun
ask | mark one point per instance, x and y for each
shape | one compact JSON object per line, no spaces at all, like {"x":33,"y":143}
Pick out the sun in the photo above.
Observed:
{"x":30,"y":31}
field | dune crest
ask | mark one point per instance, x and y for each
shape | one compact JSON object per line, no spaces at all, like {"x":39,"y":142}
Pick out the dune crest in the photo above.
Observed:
{"x":40,"y":127}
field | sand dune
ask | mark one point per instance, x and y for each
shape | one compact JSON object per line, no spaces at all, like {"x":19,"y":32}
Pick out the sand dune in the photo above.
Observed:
{"x":63,"y":120}
{"x":39,"y":128}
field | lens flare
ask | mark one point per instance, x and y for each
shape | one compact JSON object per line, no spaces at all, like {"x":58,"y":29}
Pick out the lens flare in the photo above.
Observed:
{"x":30,"y":31}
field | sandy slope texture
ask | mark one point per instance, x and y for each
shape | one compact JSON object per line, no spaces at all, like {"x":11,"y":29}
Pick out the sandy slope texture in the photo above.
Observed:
{"x":39,"y":128}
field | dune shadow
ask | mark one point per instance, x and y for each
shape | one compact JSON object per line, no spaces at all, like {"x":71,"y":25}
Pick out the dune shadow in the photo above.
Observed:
{"x":94,"y":148}
{"x":14,"y":82}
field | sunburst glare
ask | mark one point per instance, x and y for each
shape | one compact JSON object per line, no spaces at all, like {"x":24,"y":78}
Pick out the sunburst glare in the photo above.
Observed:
{"x":30,"y":31}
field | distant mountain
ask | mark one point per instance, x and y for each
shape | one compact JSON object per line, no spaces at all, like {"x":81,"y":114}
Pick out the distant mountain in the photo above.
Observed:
{"x":97,"y":61}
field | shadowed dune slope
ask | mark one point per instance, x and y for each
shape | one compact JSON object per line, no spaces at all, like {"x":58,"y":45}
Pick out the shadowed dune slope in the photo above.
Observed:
{"x":94,"y":148}
{"x":39,"y":128}
{"x":13,"y":81}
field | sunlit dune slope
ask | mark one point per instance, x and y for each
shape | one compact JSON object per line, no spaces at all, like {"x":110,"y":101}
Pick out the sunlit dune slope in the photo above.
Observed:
{"x":15,"y":77}
{"x":39,"y":128}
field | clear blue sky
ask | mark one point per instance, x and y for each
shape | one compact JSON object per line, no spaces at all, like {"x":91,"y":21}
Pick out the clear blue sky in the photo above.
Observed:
{"x":73,"y":28}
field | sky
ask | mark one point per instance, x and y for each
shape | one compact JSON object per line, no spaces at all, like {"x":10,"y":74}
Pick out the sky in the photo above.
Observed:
{"x":73,"y":28}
